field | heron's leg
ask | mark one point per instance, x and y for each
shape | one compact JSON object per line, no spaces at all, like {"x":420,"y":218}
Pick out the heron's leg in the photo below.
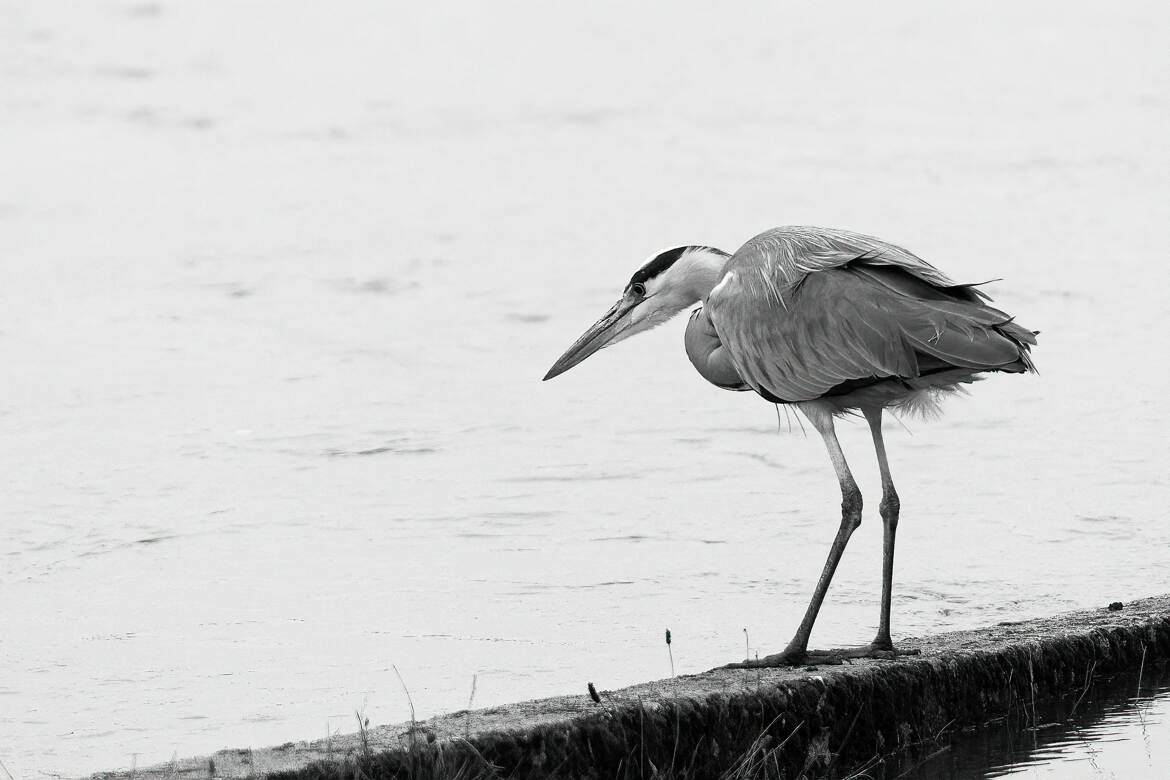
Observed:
{"x":889,"y":512}
{"x":850,"y":520}
{"x":796,"y":652}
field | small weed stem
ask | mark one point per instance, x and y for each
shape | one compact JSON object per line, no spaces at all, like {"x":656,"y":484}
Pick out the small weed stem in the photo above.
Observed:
{"x":670,"y":653}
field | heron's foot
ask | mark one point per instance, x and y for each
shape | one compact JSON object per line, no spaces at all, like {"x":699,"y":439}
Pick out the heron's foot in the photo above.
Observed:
{"x":882,"y":647}
{"x":786,"y":658}
{"x":835,"y":657}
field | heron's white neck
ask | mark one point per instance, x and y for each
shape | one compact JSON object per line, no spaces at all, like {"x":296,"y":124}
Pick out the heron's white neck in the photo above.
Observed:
{"x":691,"y":278}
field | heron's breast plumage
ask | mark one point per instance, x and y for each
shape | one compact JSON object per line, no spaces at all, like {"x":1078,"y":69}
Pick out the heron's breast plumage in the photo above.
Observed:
{"x":708,"y":355}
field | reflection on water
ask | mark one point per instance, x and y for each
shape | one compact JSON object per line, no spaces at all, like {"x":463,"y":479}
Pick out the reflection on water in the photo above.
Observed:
{"x":278,"y":282}
{"x":1117,"y":727}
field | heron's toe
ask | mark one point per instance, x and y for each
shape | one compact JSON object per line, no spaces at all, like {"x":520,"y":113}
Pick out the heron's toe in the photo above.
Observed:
{"x":892,"y":652}
{"x":787,"y":658}
{"x":884,"y":651}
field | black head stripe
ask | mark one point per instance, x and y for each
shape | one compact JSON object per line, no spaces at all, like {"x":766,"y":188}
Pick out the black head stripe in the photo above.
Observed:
{"x":664,"y":261}
{"x":658,"y":265}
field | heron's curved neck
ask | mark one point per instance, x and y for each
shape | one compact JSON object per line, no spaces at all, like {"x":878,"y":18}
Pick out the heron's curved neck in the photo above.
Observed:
{"x":696,"y":273}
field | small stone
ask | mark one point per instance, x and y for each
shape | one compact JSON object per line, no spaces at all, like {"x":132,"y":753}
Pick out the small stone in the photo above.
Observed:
{"x":1116,"y":606}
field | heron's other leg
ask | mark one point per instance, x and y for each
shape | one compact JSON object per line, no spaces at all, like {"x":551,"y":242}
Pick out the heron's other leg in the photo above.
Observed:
{"x":889,"y":512}
{"x":796,"y":652}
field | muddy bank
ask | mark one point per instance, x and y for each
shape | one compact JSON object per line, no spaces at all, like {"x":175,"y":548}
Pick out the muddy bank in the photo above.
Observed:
{"x":815,"y":722}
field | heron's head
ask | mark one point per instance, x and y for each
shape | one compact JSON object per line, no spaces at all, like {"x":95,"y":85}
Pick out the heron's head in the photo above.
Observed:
{"x":669,"y":282}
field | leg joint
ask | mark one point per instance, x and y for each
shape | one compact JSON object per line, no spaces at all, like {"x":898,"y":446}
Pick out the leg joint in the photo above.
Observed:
{"x":851,"y":505}
{"x":890,"y":507}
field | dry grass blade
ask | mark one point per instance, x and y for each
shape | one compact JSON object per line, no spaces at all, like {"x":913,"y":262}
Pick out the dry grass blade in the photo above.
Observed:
{"x":758,"y":753}
{"x":363,"y":732}
{"x":845,"y":739}
{"x":941,"y":731}
{"x":405,"y":690}
{"x":484,"y":763}
{"x":1141,"y":670}
{"x":1084,"y":690}
{"x":1032,"y":689}
{"x":470,"y":701}
{"x":860,"y":773}
{"x":925,"y":760}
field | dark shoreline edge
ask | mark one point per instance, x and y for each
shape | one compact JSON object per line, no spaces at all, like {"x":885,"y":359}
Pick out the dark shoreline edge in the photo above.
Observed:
{"x":797,"y":722}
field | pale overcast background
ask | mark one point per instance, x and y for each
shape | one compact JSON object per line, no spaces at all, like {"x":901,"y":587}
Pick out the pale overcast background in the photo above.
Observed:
{"x":280,"y":279}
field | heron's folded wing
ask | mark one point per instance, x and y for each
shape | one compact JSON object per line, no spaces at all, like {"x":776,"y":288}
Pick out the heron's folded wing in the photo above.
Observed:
{"x":786,"y":254}
{"x":965,"y":331}
{"x":852,"y":323}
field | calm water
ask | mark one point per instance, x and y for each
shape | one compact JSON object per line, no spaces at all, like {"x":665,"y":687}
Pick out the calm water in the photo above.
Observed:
{"x":280,"y":281}
{"x":1116,"y":728}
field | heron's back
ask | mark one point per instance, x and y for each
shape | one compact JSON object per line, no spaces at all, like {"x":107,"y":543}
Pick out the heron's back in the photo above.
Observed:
{"x":804,"y":314}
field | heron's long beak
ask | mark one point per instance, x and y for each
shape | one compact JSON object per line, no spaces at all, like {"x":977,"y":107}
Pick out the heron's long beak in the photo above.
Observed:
{"x":600,"y":334}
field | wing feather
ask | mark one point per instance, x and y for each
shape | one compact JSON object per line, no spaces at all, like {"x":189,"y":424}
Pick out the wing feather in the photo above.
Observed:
{"x":787,"y":254}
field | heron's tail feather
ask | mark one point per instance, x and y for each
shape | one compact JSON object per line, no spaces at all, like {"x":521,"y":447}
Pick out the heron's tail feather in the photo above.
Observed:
{"x":1024,"y":339}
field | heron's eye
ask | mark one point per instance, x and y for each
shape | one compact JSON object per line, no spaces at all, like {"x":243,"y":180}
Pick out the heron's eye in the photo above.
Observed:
{"x":637,"y":288}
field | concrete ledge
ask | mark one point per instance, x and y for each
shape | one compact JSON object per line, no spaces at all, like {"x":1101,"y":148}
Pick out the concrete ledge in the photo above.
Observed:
{"x":797,"y":722}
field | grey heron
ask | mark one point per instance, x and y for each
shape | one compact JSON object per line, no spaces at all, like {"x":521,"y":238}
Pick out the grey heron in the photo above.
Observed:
{"x":831,"y":322}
